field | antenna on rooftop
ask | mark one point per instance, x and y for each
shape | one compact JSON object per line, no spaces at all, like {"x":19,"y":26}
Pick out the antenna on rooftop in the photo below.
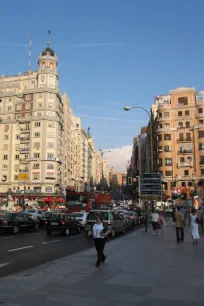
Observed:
{"x":49,"y":35}
{"x":29,"y":52}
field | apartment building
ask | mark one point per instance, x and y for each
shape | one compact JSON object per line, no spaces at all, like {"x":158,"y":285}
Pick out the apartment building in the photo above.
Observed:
{"x":31,"y":128}
{"x":180,"y":140}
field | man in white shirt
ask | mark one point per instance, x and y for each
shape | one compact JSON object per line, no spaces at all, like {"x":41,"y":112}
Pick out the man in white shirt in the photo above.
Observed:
{"x":155,"y":222}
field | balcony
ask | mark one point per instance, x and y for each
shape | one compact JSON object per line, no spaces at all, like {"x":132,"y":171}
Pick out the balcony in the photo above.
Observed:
{"x":25,"y":130}
{"x":24,"y":149}
{"x":23,"y":171}
{"x":184,"y":126}
{"x":163,"y":129}
{"x":24,"y":160}
{"x":184,"y":140}
{"x":185,"y":152}
{"x":26,"y":139}
{"x":185,"y":164}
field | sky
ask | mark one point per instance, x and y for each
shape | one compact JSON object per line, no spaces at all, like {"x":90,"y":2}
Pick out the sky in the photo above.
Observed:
{"x":111,"y":53}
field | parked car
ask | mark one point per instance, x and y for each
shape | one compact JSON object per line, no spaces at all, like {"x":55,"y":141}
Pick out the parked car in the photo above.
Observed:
{"x":81,"y":217}
{"x":62,"y":223}
{"x":111,"y":221}
{"x":45,"y":216}
{"x":133,"y":216}
{"x":35,"y":214}
{"x":17,"y":222}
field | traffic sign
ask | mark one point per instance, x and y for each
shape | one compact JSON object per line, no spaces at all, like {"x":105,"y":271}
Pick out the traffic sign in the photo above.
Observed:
{"x":150,"y":185}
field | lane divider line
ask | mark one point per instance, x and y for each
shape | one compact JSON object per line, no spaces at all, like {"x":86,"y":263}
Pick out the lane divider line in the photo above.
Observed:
{"x":18,"y":249}
{"x":32,"y":234}
{"x":8,"y":237}
{"x":47,"y":242}
{"x":4,"y":264}
{"x":76,"y":236}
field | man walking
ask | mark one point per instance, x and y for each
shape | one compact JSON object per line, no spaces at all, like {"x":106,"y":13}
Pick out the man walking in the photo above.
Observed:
{"x":179,"y":220}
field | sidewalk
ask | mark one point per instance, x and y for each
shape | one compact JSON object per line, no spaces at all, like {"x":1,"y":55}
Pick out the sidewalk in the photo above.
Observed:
{"x":141,"y":270}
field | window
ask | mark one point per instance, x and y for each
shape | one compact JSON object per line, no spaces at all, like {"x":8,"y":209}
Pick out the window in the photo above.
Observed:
{"x":183,"y":101}
{"x":28,"y":106}
{"x":19,"y":107}
{"x":40,"y":96}
{"x":200,"y":121}
{"x":168,"y":162}
{"x":50,"y":145}
{"x":160,"y":126}
{"x":202,"y":171}
{"x":201,"y":146}
{"x":6,"y":137}
{"x":182,"y":160}
{"x":188,"y":136}
{"x":37,"y":124}
{"x":166,"y":114}
{"x":160,"y":149}
{"x":167,"y":136}
{"x":10,"y":99}
{"x":5,"y":157}
{"x":4,"y":178}
{"x":180,"y":125}
{"x":159,"y":137}
{"x":183,"y":184}
{"x":6,"y":128}
{"x":51,"y":124}
{"x":188,"y":124}
{"x":201,"y":134}
{"x":168,"y":173}
{"x":16,"y":156}
{"x":17,"y":137}
{"x":167,"y":148}
{"x":36,"y":145}
{"x":4,"y":167}
{"x":9,"y":108}
{"x":50,"y":155}
{"x":190,"y":184}
{"x":160,"y":115}
{"x":166,"y":126}
{"x":202,"y":160}
{"x":187,"y":113}
{"x":50,"y":105}
{"x":36,"y":166}
{"x":36,"y":155}
{"x":185,"y":172}
{"x":5,"y":147}
{"x":77,"y":125}
{"x":160,"y":162}
{"x":36,"y":176}
{"x":15,"y":177}
{"x":180,"y":114}
{"x":50,"y":166}
{"x":189,"y":160}
{"x":28,"y":97}
{"x":37,"y":135}
{"x":40,"y":105}
{"x":200,"y":110}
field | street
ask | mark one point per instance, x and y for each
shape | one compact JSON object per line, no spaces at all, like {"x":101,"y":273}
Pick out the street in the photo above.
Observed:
{"x":24,"y":251}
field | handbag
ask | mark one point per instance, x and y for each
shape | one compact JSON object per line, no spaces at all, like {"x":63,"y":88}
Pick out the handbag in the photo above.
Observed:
{"x":197,"y":220}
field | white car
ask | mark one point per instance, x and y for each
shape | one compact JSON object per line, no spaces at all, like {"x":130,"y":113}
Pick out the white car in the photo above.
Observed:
{"x":35,"y":214}
{"x":81,"y":217}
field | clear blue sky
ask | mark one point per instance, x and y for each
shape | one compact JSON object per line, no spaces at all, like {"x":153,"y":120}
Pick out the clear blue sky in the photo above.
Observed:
{"x":111,"y":53}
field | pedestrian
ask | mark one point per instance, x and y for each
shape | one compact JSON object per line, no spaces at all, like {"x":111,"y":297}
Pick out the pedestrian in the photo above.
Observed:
{"x":161,"y":223}
{"x":155,"y":220}
{"x":173,"y":216}
{"x":179,"y":222}
{"x":194,"y":221}
{"x":99,"y":235}
{"x":201,"y":219}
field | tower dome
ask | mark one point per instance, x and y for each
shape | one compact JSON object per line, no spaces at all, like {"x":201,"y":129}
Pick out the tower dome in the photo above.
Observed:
{"x":48,"y":51}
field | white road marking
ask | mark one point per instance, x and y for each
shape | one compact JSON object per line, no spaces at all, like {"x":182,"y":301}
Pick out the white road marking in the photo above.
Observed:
{"x":75,"y":236}
{"x":31,"y":234}
{"x":4,"y":264}
{"x":47,"y":242}
{"x":26,"y":247}
{"x":8,"y":237}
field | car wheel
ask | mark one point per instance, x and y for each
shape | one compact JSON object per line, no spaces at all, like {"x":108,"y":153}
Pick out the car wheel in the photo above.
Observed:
{"x":67,"y":232}
{"x":36,"y":227}
{"x":49,"y":232}
{"x":15,"y":230}
{"x":78,"y":229}
{"x":113,"y":232}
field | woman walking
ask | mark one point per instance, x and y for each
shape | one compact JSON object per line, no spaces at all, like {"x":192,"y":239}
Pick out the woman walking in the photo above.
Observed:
{"x":99,"y":235}
{"x":194,"y":221}
{"x":161,"y":223}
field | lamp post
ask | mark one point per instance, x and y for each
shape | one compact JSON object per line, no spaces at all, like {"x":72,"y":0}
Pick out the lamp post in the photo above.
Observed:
{"x":102,"y":153}
{"x":127,"y":108}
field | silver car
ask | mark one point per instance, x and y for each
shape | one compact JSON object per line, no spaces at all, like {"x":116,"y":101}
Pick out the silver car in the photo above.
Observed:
{"x":81,"y":217}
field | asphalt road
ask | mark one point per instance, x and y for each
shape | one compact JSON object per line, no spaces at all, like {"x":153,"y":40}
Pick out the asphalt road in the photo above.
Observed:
{"x":27,"y":250}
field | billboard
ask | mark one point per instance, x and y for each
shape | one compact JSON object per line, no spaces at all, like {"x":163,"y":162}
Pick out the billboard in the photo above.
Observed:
{"x":23,"y":176}
{"x":150,"y":185}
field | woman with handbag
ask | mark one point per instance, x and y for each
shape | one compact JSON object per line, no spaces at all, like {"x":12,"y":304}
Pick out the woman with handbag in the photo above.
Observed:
{"x":194,"y":221}
{"x":99,"y":235}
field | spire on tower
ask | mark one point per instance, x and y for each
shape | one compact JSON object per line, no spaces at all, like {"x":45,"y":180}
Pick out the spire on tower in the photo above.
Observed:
{"x":48,"y":42}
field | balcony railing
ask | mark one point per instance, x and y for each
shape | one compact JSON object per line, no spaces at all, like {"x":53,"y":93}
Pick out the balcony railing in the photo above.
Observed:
{"x":25,"y":139}
{"x":185,"y":151}
{"x":184,"y":126}
{"x":185,"y":164}
{"x":184,"y":140}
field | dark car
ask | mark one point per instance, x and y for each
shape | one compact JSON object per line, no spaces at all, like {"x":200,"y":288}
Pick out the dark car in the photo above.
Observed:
{"x":44,"y":220}
{"x":17,"y":222}
{"x":62,"y":223}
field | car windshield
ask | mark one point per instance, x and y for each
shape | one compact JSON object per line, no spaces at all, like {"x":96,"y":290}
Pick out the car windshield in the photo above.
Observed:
{"x":7,"y":216}
{"x":31,"y":211}
{"x":78,"y":215}
{"x":130,"y":213}
{"x":92,"y":215}
{"x":57,"y":217}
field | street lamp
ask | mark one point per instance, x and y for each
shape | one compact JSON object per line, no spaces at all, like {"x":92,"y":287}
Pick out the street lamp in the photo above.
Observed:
{"x":127,"y":108}
{"x":102,"y":153}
